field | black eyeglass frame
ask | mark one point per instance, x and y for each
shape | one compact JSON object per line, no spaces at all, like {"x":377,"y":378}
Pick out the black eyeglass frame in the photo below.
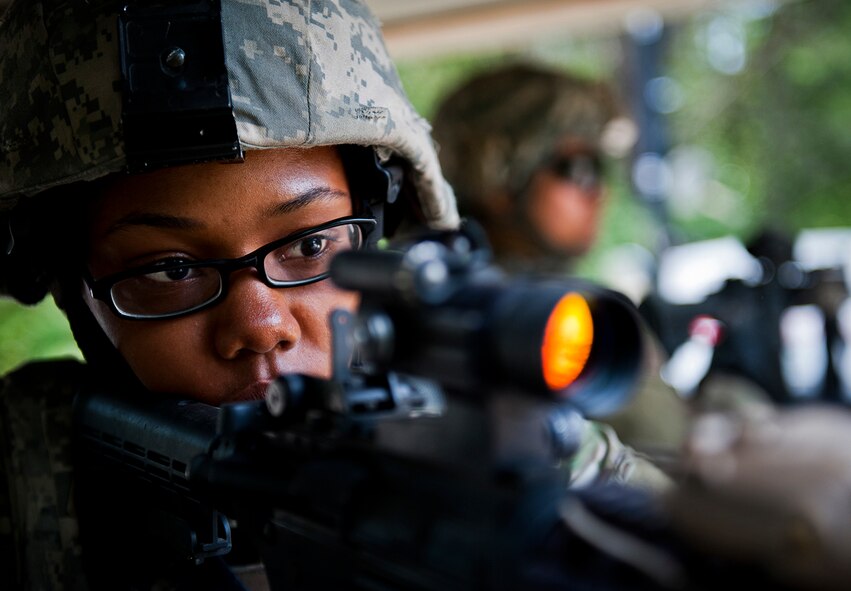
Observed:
{"x":101,"y":289}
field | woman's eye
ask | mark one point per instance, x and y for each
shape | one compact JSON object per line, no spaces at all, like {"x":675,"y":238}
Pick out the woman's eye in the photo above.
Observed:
{"x":310,"y":246}
{"x":172,"y":274}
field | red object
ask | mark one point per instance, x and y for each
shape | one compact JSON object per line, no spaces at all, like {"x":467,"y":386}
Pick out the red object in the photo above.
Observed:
{"x":706,"y":328}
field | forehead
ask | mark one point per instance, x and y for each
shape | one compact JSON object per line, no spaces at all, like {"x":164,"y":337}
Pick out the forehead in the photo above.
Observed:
{"x":571,"y":144}
{"x":266,"y":178}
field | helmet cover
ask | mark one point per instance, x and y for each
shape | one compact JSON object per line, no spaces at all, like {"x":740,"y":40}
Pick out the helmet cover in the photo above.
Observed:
{"x":301,"y":73}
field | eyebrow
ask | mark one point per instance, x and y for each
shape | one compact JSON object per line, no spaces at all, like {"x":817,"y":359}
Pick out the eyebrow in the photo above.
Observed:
{"x":172,"y":222}
{"x":154,"y":220}
{"x":303,"y":199}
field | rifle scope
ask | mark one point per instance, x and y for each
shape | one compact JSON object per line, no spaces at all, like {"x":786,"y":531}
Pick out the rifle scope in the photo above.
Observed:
{"x":436,"y":311}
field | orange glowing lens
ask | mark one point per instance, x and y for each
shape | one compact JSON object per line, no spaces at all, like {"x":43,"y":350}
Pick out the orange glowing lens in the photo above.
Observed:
{"x":567,"y":341}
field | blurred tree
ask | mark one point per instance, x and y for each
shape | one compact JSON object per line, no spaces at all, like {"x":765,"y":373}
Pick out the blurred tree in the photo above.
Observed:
{"x":759,"y":100}
{"x":36,"y":332}
{"x":773,"y":118}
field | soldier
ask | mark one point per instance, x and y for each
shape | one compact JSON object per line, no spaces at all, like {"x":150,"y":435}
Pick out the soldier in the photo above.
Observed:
{"x":524,"y":147}
{"x":180,"y":198}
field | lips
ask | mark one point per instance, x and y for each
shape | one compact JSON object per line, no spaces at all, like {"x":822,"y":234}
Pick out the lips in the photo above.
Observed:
{"x":264,"y":371}
{"x":255,"y":391}
{"x":257,"y":376}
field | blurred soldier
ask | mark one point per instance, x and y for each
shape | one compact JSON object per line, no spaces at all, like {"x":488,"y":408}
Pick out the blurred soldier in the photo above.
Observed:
{"x":523,"y":147}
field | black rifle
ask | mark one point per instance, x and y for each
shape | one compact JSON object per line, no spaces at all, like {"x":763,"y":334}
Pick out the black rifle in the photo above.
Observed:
{"x":428,"y":461}
{"x":751,"y":313}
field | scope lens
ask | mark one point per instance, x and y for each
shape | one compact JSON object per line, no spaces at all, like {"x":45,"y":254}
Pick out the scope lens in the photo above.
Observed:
{"x":568,"y":336}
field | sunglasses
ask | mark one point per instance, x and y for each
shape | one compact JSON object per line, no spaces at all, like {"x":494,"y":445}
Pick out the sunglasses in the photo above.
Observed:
{"x":582,"y":169}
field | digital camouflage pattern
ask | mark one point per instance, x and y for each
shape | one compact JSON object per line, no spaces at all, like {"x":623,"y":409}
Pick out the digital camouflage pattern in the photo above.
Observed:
{"x":286,"y":60}
{"x":39,"y":545}
{"x":497,"y":128}
{"x":603,"y":457}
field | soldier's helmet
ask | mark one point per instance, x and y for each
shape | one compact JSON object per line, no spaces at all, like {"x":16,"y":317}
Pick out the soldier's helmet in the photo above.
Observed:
{"x":96,"y":87}
{"x":498,"y":127}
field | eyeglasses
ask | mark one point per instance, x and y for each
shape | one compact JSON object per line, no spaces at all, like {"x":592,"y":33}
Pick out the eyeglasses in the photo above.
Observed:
{"x":178,"y":287}
{"x":584,"y":170}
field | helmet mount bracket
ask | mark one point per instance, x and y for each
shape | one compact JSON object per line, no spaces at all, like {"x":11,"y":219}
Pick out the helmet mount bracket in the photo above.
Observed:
{"x":177,"y":105}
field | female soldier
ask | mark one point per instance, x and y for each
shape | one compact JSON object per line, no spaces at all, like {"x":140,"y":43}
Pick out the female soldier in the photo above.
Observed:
{"x":178,"y":176}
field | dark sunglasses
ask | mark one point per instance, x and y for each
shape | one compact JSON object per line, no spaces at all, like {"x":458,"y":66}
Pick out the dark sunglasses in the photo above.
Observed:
{"x":582,"y":169}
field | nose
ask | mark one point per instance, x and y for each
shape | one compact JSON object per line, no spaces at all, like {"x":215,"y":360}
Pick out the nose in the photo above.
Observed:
{"x":254,"y":318}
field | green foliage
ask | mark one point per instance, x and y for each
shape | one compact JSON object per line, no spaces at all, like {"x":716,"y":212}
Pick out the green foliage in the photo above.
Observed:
{"x":427,"y":81}
{"x":778,"y":130}
{"x":36,"y":332}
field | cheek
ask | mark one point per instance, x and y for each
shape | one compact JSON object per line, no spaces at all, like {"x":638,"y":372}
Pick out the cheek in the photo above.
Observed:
{"x":317,"y":300}
{"x":163,"y":355}
{"x":167,"y":361}
{"x":178,"y":356}
{"x":111,"y":325}
{"x":564,"y":215}
{"x":312,"y":311}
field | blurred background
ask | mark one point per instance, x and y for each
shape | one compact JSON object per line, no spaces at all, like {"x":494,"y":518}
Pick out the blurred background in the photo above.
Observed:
{"x":741,"y":110}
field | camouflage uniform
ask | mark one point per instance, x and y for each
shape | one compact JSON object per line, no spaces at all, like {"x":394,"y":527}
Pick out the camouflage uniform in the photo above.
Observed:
{"x":326,"y":80}
{"x":39,"y":546}
{"x":602,"y":457}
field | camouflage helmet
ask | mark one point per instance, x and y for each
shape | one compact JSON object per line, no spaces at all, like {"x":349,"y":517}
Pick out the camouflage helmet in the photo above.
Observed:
{"x":300,"y":74}
{"x":500,"y":125}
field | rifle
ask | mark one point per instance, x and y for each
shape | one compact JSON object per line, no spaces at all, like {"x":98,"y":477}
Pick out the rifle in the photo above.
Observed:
{"x":427,"y":461}
{"x":772,"y":313}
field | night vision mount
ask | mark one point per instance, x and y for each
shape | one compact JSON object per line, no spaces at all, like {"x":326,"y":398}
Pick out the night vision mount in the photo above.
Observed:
{"x":177,"y":105}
